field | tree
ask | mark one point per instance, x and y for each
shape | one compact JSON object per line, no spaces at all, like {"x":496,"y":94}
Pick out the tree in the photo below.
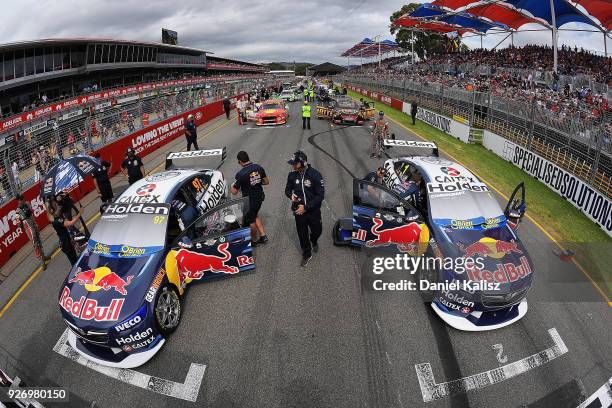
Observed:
{"x":432,"y":43}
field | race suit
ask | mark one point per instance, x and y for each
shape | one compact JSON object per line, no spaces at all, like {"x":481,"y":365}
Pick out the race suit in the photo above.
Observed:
{"x":380,"y":129}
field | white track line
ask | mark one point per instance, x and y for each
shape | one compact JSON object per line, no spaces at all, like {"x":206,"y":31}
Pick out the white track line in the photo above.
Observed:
{"x":186,"y":391}
{"x":432,"y":391}
{"x":603,"y":395}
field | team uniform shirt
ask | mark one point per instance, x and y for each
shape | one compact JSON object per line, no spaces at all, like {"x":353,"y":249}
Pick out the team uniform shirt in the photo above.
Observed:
{"x":372,"y":177}
{"x":101,"y":173}
{"x":62,"y":232}
{"x":308,"y":187}
{"x":133,"y":167}
{"x":190,"y":127}
{"x":249,"y":179}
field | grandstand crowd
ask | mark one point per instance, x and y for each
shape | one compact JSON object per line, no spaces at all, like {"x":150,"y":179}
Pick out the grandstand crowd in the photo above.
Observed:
{"x":25,"y":104}
{"x":519,"y":74}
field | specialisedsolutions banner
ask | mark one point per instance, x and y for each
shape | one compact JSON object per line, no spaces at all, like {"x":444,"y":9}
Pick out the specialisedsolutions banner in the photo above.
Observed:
{"x":595,"y":205}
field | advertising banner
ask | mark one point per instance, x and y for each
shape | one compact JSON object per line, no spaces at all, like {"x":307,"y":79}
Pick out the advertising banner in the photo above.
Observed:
{"x":595,"y":205}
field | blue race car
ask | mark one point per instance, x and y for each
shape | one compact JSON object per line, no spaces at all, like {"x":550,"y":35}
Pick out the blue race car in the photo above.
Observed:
{"x":432,"y":206}
{"x":122,"y":299}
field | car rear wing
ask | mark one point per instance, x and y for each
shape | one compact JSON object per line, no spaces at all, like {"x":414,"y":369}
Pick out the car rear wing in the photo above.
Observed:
{"x":415,"y":144}
{"x":196,"y":159}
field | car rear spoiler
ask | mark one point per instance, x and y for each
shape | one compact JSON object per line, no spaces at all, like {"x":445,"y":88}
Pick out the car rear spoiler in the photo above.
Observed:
{"x":412,"y":144}
{"x":195,"y":159}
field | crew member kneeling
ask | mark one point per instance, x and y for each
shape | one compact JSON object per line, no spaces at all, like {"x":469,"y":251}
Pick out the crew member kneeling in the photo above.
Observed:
{"x":306,"y":191}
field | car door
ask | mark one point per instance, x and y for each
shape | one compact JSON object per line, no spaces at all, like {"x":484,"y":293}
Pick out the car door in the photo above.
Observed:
{"x":216,"y":244}
{"x":382,"y":219}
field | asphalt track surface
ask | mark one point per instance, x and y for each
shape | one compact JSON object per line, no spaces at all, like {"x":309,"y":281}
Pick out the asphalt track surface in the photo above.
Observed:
{"x":285,"y":336}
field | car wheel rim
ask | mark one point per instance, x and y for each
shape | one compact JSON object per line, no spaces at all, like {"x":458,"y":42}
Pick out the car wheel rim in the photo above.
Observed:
{"x":168,"y":309}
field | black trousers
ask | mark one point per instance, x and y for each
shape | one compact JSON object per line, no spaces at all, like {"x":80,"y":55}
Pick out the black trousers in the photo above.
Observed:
{"x":414,"y":119}
{"x":305,"y":122}
{"x":227,"y":113}
{"x":68,"y":249}
{"x":106,"y":190}
{"x":309,"y":228}
{"x":192,"y":141}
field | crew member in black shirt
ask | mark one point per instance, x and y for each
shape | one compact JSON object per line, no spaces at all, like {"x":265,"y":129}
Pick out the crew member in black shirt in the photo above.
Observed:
{"x":102,"y":181}
{"x":61,"y":225}
{"x":250,"y":180}
{"x":132,"y":166}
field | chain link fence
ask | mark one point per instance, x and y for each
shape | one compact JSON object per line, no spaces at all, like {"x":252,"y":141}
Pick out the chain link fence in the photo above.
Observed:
{"x":577,"y":140}
{"x":32,"y":154}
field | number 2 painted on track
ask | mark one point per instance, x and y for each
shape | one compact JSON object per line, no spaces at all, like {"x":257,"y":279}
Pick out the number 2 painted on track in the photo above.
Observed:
{"x":500,"y":353}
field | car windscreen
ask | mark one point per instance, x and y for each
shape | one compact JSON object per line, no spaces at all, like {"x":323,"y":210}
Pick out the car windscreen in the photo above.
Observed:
{"x":271,"y":106}
{"x":132,"y":225}
{"x":463,"y":206}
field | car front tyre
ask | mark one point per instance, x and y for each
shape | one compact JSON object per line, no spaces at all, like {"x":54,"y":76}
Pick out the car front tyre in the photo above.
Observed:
{"x":167,"y":310}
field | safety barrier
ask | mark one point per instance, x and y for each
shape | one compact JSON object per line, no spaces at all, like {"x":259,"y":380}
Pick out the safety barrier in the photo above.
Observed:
{"x":167,"y":126}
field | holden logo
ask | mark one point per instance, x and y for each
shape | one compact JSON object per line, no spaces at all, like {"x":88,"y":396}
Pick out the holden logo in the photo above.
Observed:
{"x":198,"y":115}
{"x":450,"y":171}
{"x":145,"y":189}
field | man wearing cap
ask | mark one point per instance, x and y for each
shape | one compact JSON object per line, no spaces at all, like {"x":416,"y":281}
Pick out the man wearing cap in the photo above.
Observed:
{"x":132,"y":166}
{"x":250,"y":180}
{"x":377,"y":176}
{"x":306,"y":191}
{"x":191,"y":133}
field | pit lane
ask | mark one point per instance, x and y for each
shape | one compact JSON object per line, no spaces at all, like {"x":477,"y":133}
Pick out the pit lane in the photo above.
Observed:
{"x":284,"y":336}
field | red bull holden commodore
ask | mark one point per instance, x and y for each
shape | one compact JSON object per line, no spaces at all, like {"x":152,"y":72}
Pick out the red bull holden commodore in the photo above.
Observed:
{"x":122,"y":298}
{"x":432,"y":206}
{"x":272,"y":112}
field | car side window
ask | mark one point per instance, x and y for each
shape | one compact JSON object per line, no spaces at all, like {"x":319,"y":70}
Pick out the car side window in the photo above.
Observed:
{"x":223,"y":219}
{"x":375,"y":196}
{"x":197,"y":186}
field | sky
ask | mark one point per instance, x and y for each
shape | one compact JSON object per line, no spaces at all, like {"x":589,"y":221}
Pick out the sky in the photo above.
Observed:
{"x":255,"y":30}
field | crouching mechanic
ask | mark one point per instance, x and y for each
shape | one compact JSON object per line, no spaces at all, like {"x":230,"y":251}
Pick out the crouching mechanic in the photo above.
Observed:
{"x":306,"y":191}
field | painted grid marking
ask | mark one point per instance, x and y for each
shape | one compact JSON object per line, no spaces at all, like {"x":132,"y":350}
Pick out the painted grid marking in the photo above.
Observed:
{"x":186,"y":391}
{"x":432,"y":391}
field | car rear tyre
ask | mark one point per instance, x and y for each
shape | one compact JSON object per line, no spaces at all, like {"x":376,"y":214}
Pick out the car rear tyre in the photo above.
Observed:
{"x":167,"y":310}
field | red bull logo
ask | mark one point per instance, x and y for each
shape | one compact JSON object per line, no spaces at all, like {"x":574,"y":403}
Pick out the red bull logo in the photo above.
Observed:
{"x":101,"y":278}
{"x":406,"y":237}
{"x":192,"y":265}
{"x":489,"y":247}
{"x":89,"y":309}
{"x":505,"y":272}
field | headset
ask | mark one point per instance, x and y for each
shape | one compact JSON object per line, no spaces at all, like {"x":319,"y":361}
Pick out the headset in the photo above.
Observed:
{"x":301,"y":157}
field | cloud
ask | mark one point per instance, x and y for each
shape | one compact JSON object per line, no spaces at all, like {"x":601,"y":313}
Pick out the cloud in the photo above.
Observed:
{"x":254,"y":30}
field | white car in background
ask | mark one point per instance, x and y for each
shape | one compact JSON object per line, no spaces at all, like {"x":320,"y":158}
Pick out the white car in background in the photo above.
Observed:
{"x":287,"y":95}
